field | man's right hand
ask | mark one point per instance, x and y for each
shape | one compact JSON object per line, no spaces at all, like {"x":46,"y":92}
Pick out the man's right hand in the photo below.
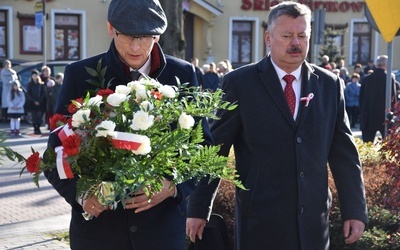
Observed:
{"x":195,"y":227}
{"x":93,"y":206}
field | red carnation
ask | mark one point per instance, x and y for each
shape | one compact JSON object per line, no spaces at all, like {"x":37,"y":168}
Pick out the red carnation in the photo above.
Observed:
{"x":71,"y":144}
{"x":105,"y":92}
{"x":57,"y":120}
{"x":32,"y":163}
{"x":72,"y":108}
{"x":156,"y":94}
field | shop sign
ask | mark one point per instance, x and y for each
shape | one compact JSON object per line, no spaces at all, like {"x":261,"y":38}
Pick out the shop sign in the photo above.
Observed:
{"x":329,"y":6}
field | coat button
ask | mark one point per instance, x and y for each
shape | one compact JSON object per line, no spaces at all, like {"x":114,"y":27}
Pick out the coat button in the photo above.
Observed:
{"x":299,"y":140}
{"x":301,"y":210}
{"x":134,"y":229}
{"x":301,"y":175}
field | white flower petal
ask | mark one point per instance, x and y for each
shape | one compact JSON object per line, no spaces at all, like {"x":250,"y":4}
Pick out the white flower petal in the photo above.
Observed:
{"x":186,"y":121}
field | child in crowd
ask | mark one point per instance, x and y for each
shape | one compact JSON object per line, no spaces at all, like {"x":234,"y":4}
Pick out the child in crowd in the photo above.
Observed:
{"x":16,"y":101}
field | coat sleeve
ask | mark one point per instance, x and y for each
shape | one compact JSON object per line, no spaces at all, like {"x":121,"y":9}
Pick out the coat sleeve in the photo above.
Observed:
{"x":201,"y":200}
{"x":346,"y":169}
{"x":66,"y":187}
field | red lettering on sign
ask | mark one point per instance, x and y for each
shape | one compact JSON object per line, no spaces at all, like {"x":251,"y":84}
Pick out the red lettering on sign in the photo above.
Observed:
{"x":246,"y":5}
{"x":357,"y":7}
{"x":258,"y":5}
{"x":329,"y":6}
{"x":344,"y":6}
{"x":273,"y":3}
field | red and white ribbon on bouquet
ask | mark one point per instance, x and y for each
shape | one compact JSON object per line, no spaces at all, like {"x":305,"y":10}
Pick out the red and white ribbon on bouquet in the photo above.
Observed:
{"x":63,"y":167}
{"x":127,"y":141}
{"x":65,"y":132}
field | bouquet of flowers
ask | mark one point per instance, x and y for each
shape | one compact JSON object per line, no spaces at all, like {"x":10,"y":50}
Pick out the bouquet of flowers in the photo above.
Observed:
{"x":118,"y":143}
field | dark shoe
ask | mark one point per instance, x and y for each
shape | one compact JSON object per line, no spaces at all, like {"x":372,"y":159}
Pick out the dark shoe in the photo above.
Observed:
{"x":17,"y":132}
{"x":12,"y":133}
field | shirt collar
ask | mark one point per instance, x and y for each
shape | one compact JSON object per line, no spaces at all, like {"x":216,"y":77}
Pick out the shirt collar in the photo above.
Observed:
{"x":145,"y":69}
{"x":281,"y":73}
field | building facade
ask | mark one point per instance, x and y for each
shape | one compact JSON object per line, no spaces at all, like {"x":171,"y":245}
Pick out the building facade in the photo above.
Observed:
{"x":214,"y":30}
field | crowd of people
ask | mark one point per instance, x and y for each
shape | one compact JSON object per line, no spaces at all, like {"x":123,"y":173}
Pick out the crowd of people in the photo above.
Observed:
{"x":210,"y":75}
{"x":36,"y":101}
{"x":365,"y":94}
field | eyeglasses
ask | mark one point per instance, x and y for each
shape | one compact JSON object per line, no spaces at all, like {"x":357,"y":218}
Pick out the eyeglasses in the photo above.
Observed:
{"x":127,"y":39}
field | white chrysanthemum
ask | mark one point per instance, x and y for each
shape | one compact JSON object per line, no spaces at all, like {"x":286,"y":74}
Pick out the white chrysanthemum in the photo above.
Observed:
{"x":134,"y":85}
{"x":142,"y":120}
{"x":122,"y":89}
{"x":150,"y":82}
{"x":167,"y":91}
{"x":146,"y":106}
{"x":186,"y":121}
{"x":95,"y":101}
{"x":145,"y":148}
{"x":141,"y":93}
{"x":116,"y":99}
{"x":80,"y":117}
{"x":105,"y":128}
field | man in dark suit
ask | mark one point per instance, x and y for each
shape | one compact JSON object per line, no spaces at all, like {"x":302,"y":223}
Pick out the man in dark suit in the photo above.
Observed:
{"x":373,"y":101}
{"x":282,"y":147}
{"x":135,"y":27}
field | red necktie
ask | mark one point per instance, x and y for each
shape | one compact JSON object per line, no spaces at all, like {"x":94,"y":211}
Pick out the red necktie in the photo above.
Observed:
{"x":289,"y":92}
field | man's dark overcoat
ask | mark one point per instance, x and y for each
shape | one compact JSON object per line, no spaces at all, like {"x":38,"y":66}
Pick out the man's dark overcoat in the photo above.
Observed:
{"x":283,"y":163}
{"x":161,"y":227}
{"x":373,"y":100}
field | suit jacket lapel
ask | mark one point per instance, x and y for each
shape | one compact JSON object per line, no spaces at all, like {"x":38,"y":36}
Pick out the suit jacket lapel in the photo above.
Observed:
{"x":273,"y":85}
{"x":309,"y":86}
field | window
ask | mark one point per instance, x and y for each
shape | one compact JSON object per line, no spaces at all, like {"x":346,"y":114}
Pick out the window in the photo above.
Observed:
{"x":3,"y":34}
{"x":242,"y":34}
{"x":30,"y":35}
{"x":361,"y":43}
{"x":67,"y":37}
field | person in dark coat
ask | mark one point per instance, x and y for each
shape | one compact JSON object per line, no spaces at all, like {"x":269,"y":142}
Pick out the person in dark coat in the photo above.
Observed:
{"x":281,"y":156}
{"x":55,"y":90}
{"x":36,"y":94}
{"x":211,"y":79}
{"x":135,"y":27}
{"x":373,"y":101}
{"x":199,"y":71}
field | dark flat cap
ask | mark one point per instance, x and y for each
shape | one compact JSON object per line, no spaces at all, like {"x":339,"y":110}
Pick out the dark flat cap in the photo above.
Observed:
{"x":137,"y":17}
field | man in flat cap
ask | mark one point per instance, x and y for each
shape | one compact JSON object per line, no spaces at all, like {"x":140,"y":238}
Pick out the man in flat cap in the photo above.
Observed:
{"x":135,"y":27}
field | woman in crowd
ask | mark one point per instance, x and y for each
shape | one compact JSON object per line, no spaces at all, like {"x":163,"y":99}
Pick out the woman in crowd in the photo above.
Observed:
{"x":37,"y":97}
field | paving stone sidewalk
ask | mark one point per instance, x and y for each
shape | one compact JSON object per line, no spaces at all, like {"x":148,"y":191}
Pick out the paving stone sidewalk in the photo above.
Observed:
{"x":30,"y":216}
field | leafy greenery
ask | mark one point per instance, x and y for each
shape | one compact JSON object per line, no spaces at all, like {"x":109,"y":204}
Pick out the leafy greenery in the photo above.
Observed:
{"x":7,"y":151}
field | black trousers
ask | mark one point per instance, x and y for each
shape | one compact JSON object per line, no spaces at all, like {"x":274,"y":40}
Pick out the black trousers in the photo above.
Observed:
{"x":353,"y":113}
{"x":369,"y":135}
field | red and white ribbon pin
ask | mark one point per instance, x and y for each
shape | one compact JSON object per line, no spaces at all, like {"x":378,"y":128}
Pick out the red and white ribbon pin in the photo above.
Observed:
{"x":307,"y":99}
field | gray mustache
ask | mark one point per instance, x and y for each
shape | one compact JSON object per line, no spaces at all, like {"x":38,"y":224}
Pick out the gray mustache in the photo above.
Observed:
{"x":294,"y":49}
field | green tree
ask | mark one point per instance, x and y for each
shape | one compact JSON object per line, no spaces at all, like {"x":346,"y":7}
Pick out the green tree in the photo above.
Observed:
{"x":330,"y":48}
